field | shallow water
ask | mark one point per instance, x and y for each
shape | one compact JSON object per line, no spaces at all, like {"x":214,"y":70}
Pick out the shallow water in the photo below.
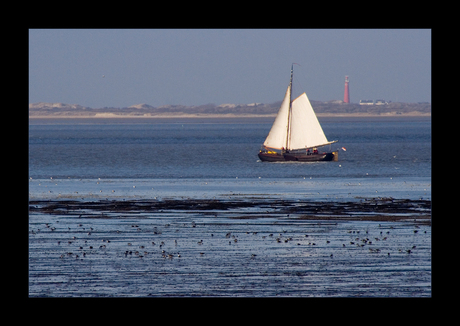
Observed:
{"x":338,"y":189}
{"x":213,"y":157}
{"x":238,"y":252}
{"x":247,"y":250}
{"x":222,"y":148}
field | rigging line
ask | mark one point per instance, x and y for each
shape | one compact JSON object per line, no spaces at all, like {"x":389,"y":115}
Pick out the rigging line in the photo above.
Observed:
{"x":297,"y":85}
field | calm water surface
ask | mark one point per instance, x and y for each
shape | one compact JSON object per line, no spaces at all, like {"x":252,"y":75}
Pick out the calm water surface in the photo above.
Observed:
{"x":212,"y":253}
{"x":177,"y":157}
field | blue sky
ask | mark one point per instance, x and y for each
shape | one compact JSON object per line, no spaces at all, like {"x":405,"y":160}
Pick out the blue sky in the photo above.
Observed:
{"x":194,"y":67}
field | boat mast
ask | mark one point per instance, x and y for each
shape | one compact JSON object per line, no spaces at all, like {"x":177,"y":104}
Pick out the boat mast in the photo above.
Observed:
{"x":288,"y":138}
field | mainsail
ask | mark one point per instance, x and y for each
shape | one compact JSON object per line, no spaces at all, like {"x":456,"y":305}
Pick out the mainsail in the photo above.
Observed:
{"x":296,"y":125}
{"x":278,"y":134}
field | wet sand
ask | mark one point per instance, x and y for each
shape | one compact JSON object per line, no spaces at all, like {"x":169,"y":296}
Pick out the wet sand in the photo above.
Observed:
{"x":247,"y":247}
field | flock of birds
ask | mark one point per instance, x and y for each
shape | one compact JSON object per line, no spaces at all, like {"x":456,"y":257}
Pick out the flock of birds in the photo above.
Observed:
{"x":88,"y":243}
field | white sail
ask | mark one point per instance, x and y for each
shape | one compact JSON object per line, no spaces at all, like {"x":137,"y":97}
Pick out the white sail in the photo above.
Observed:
{"x":277,"y":136}
{"x":296,"y":125}
{"x":305,"y":130}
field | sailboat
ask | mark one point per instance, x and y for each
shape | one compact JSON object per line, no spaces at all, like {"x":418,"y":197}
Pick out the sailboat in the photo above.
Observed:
{"x":296,"y":133}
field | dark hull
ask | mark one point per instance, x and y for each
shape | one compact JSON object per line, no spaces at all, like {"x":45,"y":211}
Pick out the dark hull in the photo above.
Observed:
{"x":266,"y":157}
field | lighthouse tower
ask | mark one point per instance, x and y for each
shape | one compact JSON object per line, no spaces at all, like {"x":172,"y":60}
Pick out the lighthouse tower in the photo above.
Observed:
{"x":346,"y":94}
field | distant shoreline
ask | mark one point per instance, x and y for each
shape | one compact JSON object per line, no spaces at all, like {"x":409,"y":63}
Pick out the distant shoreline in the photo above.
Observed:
{"x":222,"y":116}
{"x":254,"y":110}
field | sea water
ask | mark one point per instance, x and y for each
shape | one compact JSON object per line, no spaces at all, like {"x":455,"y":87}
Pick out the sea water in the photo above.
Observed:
{"x":193,"y":252}
{"x":206,"y":158}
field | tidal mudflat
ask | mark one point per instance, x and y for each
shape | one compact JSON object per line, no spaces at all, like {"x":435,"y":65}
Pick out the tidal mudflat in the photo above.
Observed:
{"x":377,"y":247}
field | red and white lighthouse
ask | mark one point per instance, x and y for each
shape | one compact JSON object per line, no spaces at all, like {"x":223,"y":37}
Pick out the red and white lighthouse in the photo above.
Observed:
{"x":346,"y":94}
